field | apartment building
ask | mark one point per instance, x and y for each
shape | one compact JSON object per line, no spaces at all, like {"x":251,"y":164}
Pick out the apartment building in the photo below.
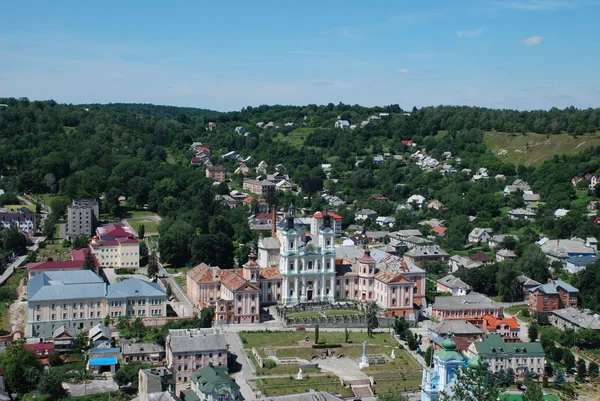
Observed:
{"x":82,"y":217}
{"x":258,"y":187}
{"x":555,"y":294}
{"x":188,"y":350}
{"x":216,"y":173}
{"x":471,"y":307}
{"x":24,"y":221}
{"x":136,"y":298}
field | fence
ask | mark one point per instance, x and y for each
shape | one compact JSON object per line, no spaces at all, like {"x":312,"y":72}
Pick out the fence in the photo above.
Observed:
{"x":258,"y":358}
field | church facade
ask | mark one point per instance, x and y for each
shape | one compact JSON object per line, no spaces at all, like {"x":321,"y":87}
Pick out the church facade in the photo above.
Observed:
{"x":300,"y":263}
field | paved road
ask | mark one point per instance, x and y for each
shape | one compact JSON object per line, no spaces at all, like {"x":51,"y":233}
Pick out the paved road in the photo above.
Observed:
{"x":184,"y":302}
{"x":246,"y":373}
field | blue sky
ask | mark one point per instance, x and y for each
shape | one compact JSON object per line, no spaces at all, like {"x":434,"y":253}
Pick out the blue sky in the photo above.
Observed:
{"x":224,"y":55}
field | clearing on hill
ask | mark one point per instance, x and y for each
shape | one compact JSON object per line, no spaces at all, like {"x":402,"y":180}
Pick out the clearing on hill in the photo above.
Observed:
{"x":533,"y":149}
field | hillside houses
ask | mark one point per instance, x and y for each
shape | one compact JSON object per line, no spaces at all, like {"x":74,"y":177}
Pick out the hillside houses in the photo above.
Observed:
{"x":480,"y":235}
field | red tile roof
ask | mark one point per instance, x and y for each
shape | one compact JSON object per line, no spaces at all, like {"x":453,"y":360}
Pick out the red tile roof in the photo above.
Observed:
{"x":55,"y":265}
{"x":204,"y":273}
{"x":439,"y":229}
{"x":41,"y":350}
{"x":234,"y":282}
{"x":114,"y":230}
{"x":129,"y":240}
{"x":269,"y":273}
{"x":494,"y":322}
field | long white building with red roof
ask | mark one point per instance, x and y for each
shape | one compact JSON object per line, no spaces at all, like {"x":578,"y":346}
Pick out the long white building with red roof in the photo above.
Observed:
{"x":116,"y":246}
{"x":296,"y":267}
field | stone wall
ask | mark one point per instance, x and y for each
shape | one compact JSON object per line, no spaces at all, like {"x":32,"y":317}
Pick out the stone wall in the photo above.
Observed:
{"x":258,"y":358}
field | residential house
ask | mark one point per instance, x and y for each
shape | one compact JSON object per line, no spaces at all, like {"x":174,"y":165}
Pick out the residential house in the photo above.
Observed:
{"x":439,"y":231}
{"x":458,"y":328}
{"x":401,"y":235}
{"x":435,"y":204}
{"x":379,"y":197}
{"x":365,"y":214}
{"x":25,"y":222}
{"x":377,"y":236}
{"x":284,"y":185}
{"x":342,"y":124}
{"x":36,"y":268}
{"x":337,"y":223}
{"x":572,"y":318}
{"x":99,"y":335}
{"x":592,"y":206}
{"x":211,"y":126}
{"x":230,"y":155}
{"x":521,"y":214}
{"x":457,"y":261}
{"x":355,"y":240}
{"x":142,"y":352}
{"x":500,"y":355}
{"x":412,"y":242}
{"x":556,"y":294}
{"x":226,"y":200}
{"x":242,"y":169}
{"x":408,"y":142}
{"x":240,"y":130}
{"x":216,"y":173}
{"x":577,"y":264}
{"x":258,"y":187}
{"x":472,"y":307}
{"x":420,"y":254}
{"x":260,"y":124}
{"x":83,"y":216}
{"x":188,"y":350}
{"x":565,"y":249}
{"x":531,"y":200}
{"x":212,"y":383}
{"x":385,"y":221}
{"x":483,"y":258}
{"x":63,"y":338}
{"x":417,"y":201}
{"x":480,"y":235}
{"x":103,"y":359}
{"x":7,"y":339}
{"x":136,"y":298}
{"x":507,"y":327}
{"x":560,"y":213}
{"x":453,"y":285}
{"x":262,"y":168}
{"x":505,"y":254}
{"x":41,"y":349}
{"x":499,"y":240}
{"x":116,"y":246}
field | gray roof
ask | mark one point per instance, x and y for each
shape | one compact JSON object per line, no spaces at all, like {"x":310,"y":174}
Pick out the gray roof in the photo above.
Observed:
{"x":502,"y":237}
{"x":561,"y":248}
{"x":456,"y":327}
{"x":531,"y":197}
{"x":472,"y":300}
{"x":195,"y":341}
{"x":454,"y":282}
{"x":426,"y":251}
{"x":408,"y":233}
{"x":141,"y":348}
{"x":65,"y":285}
{"x":552,"y":288}
{"x":527,"y":282}
{"x":583,"y":260}
{"x":311,"y":396}
{"x":367,"y":212}
{"x":61,"y":330}
{"x":99,"y":331}
{"x":585,"y":319}
{"x":506,"y":253}
{"x":134,"y":287}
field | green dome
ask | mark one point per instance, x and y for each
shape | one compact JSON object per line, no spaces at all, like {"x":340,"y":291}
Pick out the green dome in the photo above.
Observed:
{"x":448,"y":344}
{"x":474,"y":362}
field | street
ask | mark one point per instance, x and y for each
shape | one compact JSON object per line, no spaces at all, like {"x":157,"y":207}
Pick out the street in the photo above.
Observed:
{"x":184,"y":302}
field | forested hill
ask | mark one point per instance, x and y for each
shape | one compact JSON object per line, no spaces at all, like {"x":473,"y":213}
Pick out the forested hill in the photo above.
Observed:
{"x":153,"y":110}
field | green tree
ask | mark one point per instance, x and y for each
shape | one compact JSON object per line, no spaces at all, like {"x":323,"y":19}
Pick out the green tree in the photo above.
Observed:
{"x":581,"y":370}
{"x":371,"y":315}
{"x":411,"y":340}
{"x":213,"y":249}
{"x":534,"y":264}
{"x":317,"y":334}
{"x":593,"y":370}
{"x":51,"y":385}
{"x":472,"y":384}
{"x":54,"y":359}
{"x":559,"y":378}
{"x":346,"y":335}
{"x":400,"y":325}
{"x":568,"y":359}
{"x":128,"y":374}
{"x":207,"y":315}
{"x":532,"y":332}
{"x":152,"y":265}
{"x":510,"y":377}
{"x":168,"y":290}
{"x":21,"y":368}
{"x":174,"y":245}
{"x":506,"y":281}
{"x":141,"y":232}
{"x":428,"y":356}
{"x":81,"y":341}
{"x":533,"y":392}
{"x":89,"y":262}
{"x":80,"y":241}
{"x":107,"y":320}
{"x":143,"y":250}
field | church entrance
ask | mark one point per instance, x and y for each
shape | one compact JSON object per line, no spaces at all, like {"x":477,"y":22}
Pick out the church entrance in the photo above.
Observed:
{"x":309,"y":293}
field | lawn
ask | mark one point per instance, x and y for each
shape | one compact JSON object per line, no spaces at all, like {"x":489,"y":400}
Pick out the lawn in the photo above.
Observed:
{"x":350,"y":351}
{"x":151,"y":226}
{"x":582,"y":199}
{"x":295,"y":315}
{"x":533,"y":149}
{"x":138,"y":213}
{"x":279,"y":369}
{"x":261,"y":339}
{"x":54,"y":251}
{"x":517,"y":311}
{"x":289,"y":385}
{"x":172,"y":270}
{"x":14,"y":208}
{"x":296,"y":137}
{"x":343,"y":312}
{"x":518,"y":397}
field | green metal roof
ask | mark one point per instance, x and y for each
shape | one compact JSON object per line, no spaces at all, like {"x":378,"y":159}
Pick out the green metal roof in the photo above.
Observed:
{"x":492,"y":344}
{"x":210,"y":377}
{"x":445,"y":355}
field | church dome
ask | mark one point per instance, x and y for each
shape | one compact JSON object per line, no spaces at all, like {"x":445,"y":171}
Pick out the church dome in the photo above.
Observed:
{"x":474,"y":362}
{"x":448,"y":344}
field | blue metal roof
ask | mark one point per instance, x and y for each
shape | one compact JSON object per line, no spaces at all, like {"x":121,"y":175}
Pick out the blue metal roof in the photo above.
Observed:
{"x":135,"y":287}
{"x":103,"y":361}
{"x":65,"y":285}
{"x":565,"y":286}
{"x":582,"y":260}
{"x":105,"y":350}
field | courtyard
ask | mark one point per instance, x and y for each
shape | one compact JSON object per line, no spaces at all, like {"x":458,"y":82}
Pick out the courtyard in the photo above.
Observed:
{"x":328,"y":364}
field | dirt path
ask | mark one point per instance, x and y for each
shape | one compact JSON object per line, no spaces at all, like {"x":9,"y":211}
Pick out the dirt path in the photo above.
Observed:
{"x":18,"y":308}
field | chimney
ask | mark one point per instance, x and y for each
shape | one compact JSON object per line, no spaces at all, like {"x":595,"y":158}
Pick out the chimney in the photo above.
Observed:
{"x":274,"y":221}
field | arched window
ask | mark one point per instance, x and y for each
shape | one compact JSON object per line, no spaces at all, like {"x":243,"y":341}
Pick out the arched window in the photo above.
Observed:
{"x":291,"y":265}
{"x":291,"y":244}
{"x":310,"y":265}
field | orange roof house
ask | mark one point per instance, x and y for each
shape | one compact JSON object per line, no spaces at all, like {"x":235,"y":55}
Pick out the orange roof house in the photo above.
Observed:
{"x":507,"y":327}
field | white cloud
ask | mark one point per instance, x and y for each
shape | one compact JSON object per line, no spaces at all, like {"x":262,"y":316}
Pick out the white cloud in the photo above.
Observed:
{"x":535,"y":5}
{"x":470,"y":33}
{"x":402,"y":70}
{"x":532,"y":41}
{"x":348,"y":34}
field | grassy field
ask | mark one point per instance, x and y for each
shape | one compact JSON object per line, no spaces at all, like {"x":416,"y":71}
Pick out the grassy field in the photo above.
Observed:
{"x":261,"y":339}
{"x":517,"y":311}
{"x":46,"y":199}
{"x":151,"y":226}
{"x":532,"y":149}
{"x":289,"y":385}
{"x":54,"y":251}
{"x":14,"y":208}
{"x":296,"y":137}
{"x":582,"y":199}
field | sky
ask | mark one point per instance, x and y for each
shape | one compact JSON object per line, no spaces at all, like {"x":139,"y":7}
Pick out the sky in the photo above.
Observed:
{"x":225,"y":55}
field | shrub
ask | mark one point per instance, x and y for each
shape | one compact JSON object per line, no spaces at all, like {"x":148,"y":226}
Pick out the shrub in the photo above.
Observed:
{"x":318,"y":346}
{"x":269,"y":364}
{"x":123,"y":270}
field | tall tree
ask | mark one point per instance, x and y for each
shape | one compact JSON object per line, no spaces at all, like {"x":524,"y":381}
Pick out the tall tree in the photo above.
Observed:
{"x":533,"y":392}
{"x":534,"y":264}
{"x":51,"y":385}
{"x":593,"y":370}
{"x":428,"y":356}
{"x":152,"y":265}
{"x":472,"y":384}
{"x":80,"y":242}
{"x":89,"y":262}
{"x":371,"y":315}
{"x":581,"y":370}
{"x":213,"y":249}
{"x":141,"y":232}
{"x":506,"y":281}
{"x":532,"y":332}
{"x":21,"y":368}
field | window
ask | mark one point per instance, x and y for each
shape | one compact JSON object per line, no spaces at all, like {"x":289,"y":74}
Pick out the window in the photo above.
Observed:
{"x":291,"y":244}
{"x":53,"y":306}
{"x":64,"y":316}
